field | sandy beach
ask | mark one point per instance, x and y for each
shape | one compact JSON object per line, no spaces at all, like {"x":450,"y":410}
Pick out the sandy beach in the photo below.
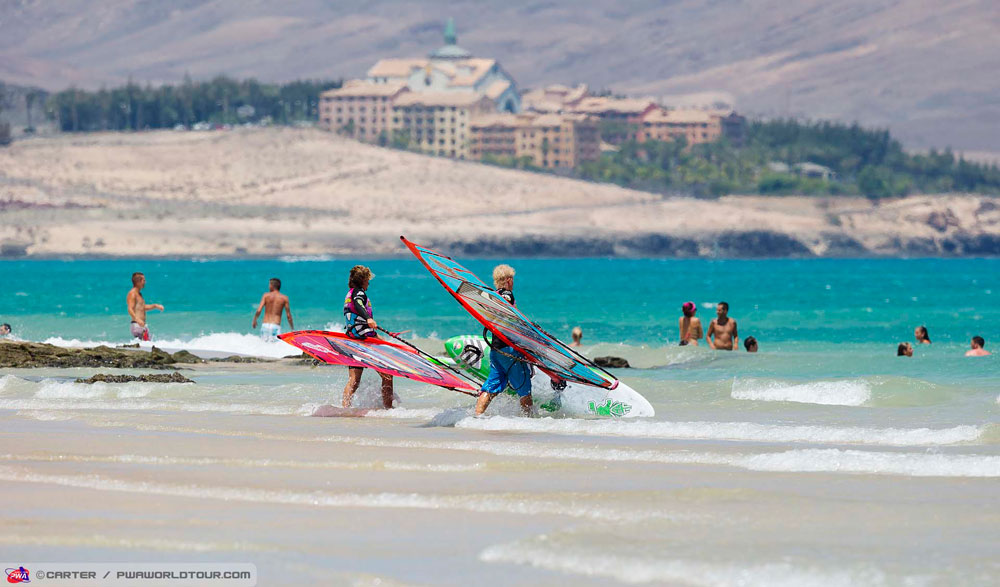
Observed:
{"x":282,"y":191}
{"x":219,"y":471}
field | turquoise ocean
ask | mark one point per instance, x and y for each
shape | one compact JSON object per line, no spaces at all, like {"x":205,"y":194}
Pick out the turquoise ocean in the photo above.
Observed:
{"x":827,"y":329}
{"x":823,"y":459}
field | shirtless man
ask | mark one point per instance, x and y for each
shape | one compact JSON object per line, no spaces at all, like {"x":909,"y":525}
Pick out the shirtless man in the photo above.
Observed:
{"x":977,"y":349}
{"x":724,"y":329}
{"x":137,"y":307}
{"x":273,"y":302}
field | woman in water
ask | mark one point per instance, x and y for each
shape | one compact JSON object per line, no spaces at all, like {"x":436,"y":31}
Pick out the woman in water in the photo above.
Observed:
{"x":359,"y":322}
{"x":920,"y":332}
{"x":689,"y":325}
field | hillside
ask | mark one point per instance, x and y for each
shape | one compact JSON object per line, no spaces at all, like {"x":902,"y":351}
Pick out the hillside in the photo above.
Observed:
{"x":926,"y":70}
{"x":283,"y":191}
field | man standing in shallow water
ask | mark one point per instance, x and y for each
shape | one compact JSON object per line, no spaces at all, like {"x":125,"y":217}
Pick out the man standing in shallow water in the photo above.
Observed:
{"x":724,"y":329}
{"x":273,"y":302}
{"x":137,"y":307}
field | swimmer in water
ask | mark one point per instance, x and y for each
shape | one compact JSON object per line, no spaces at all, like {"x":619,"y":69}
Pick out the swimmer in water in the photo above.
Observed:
{"x":904,"y":349}
{"x":920,"y":333}
{"x":689,"y":325}
{"x":750,"y":344}
{"x":724,"y":329}
{"x":577,"y":335}
{"x":977,"y":349}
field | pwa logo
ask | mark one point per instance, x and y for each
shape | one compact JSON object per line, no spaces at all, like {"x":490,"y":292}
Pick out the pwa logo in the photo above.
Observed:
{"x":18,"y":575}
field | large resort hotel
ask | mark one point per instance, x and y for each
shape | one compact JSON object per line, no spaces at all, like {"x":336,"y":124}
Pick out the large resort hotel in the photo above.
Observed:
{"x":453,"y":104}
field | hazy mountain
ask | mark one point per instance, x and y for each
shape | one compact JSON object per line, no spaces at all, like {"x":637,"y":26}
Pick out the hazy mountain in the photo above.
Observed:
{"x":929,"y":70}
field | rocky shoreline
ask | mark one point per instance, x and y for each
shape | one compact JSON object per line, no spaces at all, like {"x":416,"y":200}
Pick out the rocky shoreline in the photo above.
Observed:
{"x":35,"y":355}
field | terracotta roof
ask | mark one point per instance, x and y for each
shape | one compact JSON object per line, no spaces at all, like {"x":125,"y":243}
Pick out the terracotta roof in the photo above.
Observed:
{"x":497,"y":88}
{"x":526,"y":119}
{"x":625,"y":105}
{"x":678,"y":116}
{"x":462,"y":72}
{"x":477,"y":68}
{"x":365,"y":89}
{"x":396,"y":67}
{"x":439,"y":99}
{"x":487,"y":120}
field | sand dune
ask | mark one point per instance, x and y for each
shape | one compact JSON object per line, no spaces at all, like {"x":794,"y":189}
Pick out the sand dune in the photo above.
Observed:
{"x":284,"y":191}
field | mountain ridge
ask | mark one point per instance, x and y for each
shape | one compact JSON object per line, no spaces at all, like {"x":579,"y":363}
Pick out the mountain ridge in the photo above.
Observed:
{"x":920,"y":69}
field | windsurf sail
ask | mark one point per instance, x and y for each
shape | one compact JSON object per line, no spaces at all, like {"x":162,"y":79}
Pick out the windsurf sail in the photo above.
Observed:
{"x":508,"y":323}
{"x":336,"y":348}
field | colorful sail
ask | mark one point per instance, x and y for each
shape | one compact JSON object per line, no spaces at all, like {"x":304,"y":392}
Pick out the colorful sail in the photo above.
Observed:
{"x":336,"y":348}
{"x":508,"y":323}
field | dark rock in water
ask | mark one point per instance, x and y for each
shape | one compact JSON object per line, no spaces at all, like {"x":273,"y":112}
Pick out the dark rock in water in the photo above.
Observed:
{"x":32,"y":355}
{"x":161,"y":356}
{"x":611,"y":362}
{"x":240,"y":359}
{"x":186,"y":357}
{"x":171,"y":378}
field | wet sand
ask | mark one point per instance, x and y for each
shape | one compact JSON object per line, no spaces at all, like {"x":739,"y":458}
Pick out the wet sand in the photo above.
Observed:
{"x":426,"y":495}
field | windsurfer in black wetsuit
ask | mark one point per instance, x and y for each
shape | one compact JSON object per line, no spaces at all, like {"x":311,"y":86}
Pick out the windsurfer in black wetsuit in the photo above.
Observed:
{"x":359,"y":322}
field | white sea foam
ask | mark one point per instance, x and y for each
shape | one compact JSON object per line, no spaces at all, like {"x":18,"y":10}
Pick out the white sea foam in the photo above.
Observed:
{"x":879,"y":463}
{"x":217,"y":342}
{"x":134,"y":404}
{"x":729,"y":431}
{"x":102,"y":541}
{"x":792,"y":461}
{"x":7,"y":381}
{"x":853,"y":392}
{"x":633,"y":569}
{"x":304,"y":258}
{"x":50,"y":389}
{"x":520,"y":504}
{"x":248,"y":463}
{"x":44,"y":415}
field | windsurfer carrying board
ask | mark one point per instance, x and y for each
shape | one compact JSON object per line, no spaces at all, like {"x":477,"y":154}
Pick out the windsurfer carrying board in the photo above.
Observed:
{"x":504,"y":368}
{"x":359,"y":322}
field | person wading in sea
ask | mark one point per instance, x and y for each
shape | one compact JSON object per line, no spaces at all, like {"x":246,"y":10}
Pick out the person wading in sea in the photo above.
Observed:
{"x":137,"y":307}
{"x":504,"y":369}
{"x":273,"y":302}
{"x":359,"y":322}
{"x":724,"y":329}
{"x":689,"y":325}
{"x":977,"y":349}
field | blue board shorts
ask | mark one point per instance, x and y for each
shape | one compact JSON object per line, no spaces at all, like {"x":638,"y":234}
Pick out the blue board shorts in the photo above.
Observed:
{"x":504,"y":370}
{"x":269,"y":332}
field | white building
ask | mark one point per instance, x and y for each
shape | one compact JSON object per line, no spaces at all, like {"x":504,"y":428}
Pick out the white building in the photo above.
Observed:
{"x":451,"y":69}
